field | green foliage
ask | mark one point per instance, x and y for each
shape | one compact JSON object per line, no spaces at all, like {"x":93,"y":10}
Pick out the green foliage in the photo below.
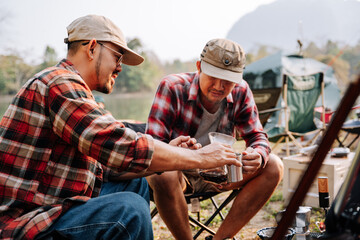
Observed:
{"x":138,"y":78}
{"x":2,"y":82}
{"x":179,"y":67}
{"x":49,"y":59}
{"x":277,"y":196}
{"x":317,"y":216}
{"x":345,"y":60}
{"x":13,"y":73}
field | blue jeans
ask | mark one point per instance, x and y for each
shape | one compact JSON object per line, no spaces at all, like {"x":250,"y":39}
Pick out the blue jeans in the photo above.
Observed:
{"x":120,"y":212}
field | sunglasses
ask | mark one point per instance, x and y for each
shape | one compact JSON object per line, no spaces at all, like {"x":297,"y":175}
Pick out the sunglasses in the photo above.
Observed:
{"x":119,"y":56}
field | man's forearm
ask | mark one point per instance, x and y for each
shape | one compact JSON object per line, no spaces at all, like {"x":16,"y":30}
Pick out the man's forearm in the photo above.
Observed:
{"x":169,"y":158}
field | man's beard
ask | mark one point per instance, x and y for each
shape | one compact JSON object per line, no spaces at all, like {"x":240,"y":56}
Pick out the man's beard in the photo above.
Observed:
{"x":106,"y":88}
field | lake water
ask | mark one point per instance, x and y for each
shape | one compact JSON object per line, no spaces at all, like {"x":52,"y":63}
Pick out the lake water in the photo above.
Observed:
{"x":123,"y":106}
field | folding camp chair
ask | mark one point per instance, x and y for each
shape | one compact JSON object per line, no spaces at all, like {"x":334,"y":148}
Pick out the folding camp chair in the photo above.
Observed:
{"x":350,"y":127}
{"x":266,"y":102}
{"x":300,"y":94}
{"x":204,"y":225}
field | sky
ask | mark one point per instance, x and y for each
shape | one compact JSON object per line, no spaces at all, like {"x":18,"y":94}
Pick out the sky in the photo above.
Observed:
{"x":172,"y":29}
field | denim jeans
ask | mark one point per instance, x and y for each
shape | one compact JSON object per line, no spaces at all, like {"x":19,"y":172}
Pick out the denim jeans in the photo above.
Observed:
{"x":120,"y":212}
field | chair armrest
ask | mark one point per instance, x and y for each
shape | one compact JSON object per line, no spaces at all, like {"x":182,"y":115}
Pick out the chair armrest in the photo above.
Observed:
{"x":271,"y":110}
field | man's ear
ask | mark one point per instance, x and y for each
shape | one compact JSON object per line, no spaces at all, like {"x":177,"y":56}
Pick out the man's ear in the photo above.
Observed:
{"x":90,"y":48}
{"x":198,"y":66}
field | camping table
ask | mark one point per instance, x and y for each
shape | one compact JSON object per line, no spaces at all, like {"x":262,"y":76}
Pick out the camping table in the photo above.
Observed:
{"x":334,"y":168}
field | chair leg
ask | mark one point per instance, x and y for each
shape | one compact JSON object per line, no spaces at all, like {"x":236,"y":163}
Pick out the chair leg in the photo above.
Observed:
{"x":287,"y":145}
{"x":204,"y":226}
{"x":277,"y":143}
{"x":224,"y":204}
{"x":201,"y":225}
{"x":349,"y":145}
{"x":311,"y":141}
{"x":154,"y":212}
{"x":217,"y":207}
{"x":293,"y":139}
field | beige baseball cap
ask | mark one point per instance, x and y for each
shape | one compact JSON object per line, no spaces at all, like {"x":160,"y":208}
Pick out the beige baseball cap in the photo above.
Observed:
{"x":224,"y":59}
{"x":102,"y":29}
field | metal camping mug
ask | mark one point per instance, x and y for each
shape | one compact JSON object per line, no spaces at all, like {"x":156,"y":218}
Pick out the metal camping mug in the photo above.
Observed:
{"x":234,"y":173}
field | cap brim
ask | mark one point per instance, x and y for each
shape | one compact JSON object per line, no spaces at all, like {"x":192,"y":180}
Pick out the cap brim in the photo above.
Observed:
{"x":130,"y":57}
{"x":220,"y":73}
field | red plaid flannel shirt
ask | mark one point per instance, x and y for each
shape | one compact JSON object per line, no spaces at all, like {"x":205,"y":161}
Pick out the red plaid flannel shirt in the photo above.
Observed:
{"x":54,"y":140}
{"x":177,"y":110}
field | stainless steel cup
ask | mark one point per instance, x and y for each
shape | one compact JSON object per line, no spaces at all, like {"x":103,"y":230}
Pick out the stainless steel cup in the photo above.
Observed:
{"x":219,"y":174}
{"x":234,"y":173}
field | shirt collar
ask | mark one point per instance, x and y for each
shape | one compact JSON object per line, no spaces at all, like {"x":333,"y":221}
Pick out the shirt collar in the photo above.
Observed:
{"x":68,"y":66}
{"x":194,"y":90}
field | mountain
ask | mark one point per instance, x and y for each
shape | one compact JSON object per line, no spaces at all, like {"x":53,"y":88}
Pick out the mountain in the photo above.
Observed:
{"x":281,"y":23}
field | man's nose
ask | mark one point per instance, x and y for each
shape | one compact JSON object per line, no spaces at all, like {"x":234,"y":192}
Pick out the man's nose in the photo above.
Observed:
{"x":219,"y":84}
{"x":119,"y":68}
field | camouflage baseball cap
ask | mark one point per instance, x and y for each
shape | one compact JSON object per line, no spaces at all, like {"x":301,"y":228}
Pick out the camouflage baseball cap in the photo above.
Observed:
{"x":224,"y":59}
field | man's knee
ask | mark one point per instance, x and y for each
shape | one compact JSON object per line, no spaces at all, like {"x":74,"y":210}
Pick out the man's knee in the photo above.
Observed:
{"x":166,"y":180}
{"x":133,"y":213}
{"x":275,"y":167}
{"x":128,"y":205}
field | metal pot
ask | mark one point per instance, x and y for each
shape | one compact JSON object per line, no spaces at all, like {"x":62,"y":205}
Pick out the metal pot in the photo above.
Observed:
{"x":302,"y":219}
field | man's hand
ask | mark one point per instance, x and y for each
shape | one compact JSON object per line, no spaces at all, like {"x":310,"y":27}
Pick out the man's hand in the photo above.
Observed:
{"x":251,"y":160}
{"x":185,"y":142}
{"x":170,"y":158}
{"x":217,"y":154}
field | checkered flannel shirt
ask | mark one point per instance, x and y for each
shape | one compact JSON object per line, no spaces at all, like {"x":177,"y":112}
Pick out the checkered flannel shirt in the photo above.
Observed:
{"x":54,"y":142}
{"x":177,"y":110}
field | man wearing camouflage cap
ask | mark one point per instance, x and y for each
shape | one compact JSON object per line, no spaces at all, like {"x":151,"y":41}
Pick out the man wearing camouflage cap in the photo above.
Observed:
{"x":213,"y":99}
{"x":59,"y":149}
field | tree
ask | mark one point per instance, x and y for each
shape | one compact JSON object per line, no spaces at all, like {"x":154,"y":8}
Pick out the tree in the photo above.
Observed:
{"x":312,"y":50}
{"x":352,"y":56}
{"x":139,"y":78}
{"x":49,"y":59}
{"x":332,"y":48}
{"x":14,"y":72}
{"x":177,"y":66}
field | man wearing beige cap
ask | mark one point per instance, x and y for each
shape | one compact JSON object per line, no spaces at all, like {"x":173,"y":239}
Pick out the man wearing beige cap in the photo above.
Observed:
{"x":60,"y":152}
{"x":213,"y":99}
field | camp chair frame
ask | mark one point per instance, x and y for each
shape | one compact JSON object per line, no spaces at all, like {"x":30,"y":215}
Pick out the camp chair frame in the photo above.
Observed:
{"x":350,"y":127}
{"x":204,"y":225}
{"x":288,"y":135}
